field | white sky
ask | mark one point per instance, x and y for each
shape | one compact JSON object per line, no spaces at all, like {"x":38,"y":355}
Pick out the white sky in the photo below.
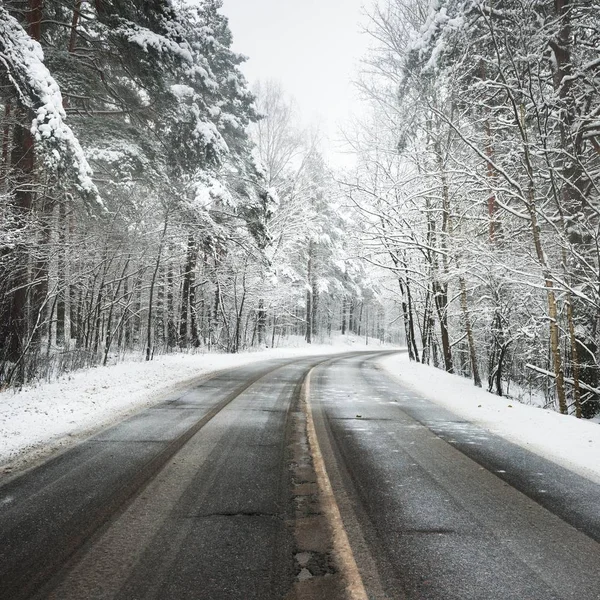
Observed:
{"x":311,"y":46}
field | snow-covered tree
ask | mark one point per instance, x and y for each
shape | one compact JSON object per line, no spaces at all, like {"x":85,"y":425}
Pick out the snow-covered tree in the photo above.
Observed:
{"x":480,"y":163}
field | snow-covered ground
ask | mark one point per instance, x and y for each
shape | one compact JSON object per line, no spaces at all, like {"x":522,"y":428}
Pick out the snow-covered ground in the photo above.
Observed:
{"x":42,"y":419}
{"x":565,"y":440}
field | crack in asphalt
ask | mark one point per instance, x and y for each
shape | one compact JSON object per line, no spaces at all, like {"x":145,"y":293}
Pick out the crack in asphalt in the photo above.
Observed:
{"x":251,"y":514}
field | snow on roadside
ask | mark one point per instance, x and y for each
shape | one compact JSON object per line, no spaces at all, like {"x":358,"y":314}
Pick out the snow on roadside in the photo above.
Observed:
{"x":41,"y":419}
{"x":570,"y":442}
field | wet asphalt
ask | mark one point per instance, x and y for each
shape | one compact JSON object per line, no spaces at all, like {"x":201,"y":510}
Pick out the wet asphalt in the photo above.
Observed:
{"x":54,"y":514}
{"x":437,"y":508}
{"x":192,"y":499}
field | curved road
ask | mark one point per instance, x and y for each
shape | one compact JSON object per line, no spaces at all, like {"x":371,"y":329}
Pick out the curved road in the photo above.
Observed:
{"x":214,"y":495}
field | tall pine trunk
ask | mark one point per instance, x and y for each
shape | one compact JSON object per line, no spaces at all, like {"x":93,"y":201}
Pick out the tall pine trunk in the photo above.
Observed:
{"x":149,"y":324}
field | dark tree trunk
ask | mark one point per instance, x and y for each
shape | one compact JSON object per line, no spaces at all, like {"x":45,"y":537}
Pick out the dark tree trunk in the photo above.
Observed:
{"x":308,"y":317}
{"x":22,"y":161}
{"x":34,"y":19}
{"x":360,"y":319}
{"x":313,"y":310}
{"x":74,"y":25}
{"x":4,"y":169}
{"x":441,"y":304}
{"x":411,"y":322}
{"x":426,"y":331}
{"x":195,"y":338}
{"x":109,"y":321}
{"x":261,"y":324}
{"x":238,"y":323}
{"x":309,"y":296}
{"x":188,"y":297}
{"x":152,"y":286}
{"x":171,"y":327}
{"x":344,"y":314}
{"x":469,"y":332}
{"x":98,"y":313}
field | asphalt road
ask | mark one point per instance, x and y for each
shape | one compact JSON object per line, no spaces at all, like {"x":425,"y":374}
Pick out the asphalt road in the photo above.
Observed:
{"x":212,"y":495}
{"x":438,"y":509}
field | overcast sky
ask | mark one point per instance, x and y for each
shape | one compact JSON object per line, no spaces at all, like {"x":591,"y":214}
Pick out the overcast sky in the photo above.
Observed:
{"x":311,"y":46}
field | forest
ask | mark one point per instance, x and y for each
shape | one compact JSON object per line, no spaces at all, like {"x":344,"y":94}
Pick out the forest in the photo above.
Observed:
{"x":152,"y":201}
{"x":479,"y":168}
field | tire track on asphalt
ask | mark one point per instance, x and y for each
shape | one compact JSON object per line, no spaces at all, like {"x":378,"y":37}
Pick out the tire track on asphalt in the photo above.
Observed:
{"x":31,"y":573}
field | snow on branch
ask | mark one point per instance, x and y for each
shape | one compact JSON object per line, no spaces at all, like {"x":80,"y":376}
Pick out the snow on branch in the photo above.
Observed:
{"x":147,"y":40}
{"x":568,"y":380}
{"x":431,"y":41}
{"x":23,"y":60}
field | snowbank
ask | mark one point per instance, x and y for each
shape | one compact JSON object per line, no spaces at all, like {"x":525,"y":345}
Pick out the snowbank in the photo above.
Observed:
{"x":565,"y":440}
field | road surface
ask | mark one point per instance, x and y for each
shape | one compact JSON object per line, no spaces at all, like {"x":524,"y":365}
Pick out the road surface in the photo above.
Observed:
{"x":262,"y":483}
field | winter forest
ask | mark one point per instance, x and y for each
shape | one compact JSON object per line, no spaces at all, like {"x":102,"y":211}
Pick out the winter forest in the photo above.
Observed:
{"x":153,"y":201}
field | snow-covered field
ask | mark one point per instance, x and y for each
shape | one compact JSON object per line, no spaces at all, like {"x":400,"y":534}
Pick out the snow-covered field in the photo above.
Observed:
{"x":565,"y":440}
{"x":50,"y":416}
{"x":42,"y":419}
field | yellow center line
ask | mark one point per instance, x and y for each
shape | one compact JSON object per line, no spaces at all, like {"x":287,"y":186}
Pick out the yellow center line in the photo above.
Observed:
{"x":341,"y":545}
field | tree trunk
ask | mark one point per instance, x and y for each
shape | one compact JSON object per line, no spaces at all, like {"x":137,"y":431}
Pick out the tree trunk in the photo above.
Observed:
{"x":195,"y":338}
{"x":492,"y":206}
{"x":74,"y":25}
{"x":187,"y":322}
{"x":574,"y":358}
{"x":261,"y":321}
{"x":441,"y":289}
{"x":171,"y":327}
{"x":5,"y":167}
{"x":441,"y":305}
{"x":552,"y":309}
{"x":548,"y":283}
{"x":98,"y":310}
{"x":22,"y":161}
{"x":309,"y":296}
{"x":469,"y":331}
{"x":109,"y":321}
{"x":411,"y":323}
{"x":238,"y":320}
{"x":34,"y":19}
{"x":313,"y":309}
{"x":426,"y":329}
{"x":152,"y":285}
{"x":215,"y":314}
{"x":308,"y":317}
